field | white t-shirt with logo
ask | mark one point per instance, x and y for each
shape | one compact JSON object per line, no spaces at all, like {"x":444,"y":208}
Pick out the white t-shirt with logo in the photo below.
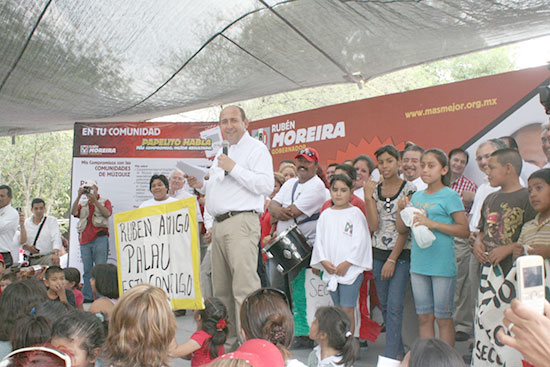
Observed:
{"x":343,"y":235}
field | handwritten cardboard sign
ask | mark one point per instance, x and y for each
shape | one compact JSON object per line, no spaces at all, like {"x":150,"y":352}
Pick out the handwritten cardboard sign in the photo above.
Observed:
{"x":159,"y":245}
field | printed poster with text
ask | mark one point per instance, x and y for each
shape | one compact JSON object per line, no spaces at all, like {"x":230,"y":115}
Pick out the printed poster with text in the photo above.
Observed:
{"x":159,"y":245}
{"x":448,"y":116}
{"x":121,"y":157}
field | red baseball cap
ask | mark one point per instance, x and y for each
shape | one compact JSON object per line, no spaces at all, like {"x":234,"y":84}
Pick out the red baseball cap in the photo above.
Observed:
{"x":309,"y":154}
{"x":258,"y":353}
{"x":2,"y":259}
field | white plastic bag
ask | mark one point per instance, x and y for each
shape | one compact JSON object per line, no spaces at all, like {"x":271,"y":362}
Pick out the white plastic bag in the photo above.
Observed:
{"x":423,"y":236}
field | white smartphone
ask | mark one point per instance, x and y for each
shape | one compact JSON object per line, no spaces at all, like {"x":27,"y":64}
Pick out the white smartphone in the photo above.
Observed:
{"x":530,"y":276}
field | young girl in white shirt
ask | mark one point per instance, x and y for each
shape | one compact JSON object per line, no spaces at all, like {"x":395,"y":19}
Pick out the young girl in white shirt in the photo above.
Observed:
{"x":342,"y":247}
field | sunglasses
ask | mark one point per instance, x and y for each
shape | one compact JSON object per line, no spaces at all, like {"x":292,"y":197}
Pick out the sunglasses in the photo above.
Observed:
{"x":265,"y":291}
{"x":307,"y":152}
{"x":64,"y":357}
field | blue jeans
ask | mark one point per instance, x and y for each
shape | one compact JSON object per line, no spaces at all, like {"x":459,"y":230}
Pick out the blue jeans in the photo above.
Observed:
{"x":93,"y":253}
{"x":391,"y":293}
{"x":434,"y":294}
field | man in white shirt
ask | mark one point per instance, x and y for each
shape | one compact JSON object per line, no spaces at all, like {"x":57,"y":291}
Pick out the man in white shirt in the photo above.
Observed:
{"x":235,"y":191}
{"x":410,"y":166}
{"x":9,"y":219}
{"x":40,"y":236}
{"x":299,"y":201}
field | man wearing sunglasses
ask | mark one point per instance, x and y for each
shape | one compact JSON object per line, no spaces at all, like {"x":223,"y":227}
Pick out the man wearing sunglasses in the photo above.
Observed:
{"x":240,"y":177}
{"x":299,"y":201}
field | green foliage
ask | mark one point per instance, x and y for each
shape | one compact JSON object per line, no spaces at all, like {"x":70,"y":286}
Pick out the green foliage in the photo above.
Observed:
{"x":39,"y":166}
{"x":474,"y":65}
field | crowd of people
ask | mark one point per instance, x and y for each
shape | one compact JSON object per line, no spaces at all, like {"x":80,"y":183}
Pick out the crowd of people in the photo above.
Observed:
{"x":405,"y":219}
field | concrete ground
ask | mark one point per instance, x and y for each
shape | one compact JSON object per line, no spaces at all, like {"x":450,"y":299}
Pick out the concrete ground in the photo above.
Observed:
{"x":369,"y":356}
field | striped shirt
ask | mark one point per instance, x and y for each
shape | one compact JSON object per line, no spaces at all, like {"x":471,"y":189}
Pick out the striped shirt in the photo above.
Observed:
{"x":464,"y":184}
{"x":533,"y":233}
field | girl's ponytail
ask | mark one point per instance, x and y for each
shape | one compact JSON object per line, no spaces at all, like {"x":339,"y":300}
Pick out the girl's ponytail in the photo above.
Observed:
{"x":214,"y":322}
{"x":350,"y":350}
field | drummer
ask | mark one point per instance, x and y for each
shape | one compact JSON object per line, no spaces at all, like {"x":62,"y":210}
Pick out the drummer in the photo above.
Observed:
{"x":298,"y":202}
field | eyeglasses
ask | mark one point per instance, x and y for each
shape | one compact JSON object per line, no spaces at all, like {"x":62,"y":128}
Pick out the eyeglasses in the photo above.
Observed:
{"x":307,"y":152}
{"x":64,"y":357}
{"x":265,"y":291}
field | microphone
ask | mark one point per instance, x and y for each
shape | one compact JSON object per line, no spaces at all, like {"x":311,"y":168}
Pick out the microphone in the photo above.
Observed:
{"x":225,"y":150}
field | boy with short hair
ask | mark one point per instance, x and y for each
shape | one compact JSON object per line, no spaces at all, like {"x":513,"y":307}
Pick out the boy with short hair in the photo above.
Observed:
{"x":54,"y":279}
{"x":503,"y":212}
{"x":535,"y":235}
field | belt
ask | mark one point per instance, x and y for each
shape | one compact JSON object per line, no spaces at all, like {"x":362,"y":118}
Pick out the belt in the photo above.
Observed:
{"x":37,"y":256}
{"x":224,"y":216}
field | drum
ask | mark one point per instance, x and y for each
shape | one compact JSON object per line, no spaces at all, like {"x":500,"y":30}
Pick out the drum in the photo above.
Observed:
{"x":289,"y":249}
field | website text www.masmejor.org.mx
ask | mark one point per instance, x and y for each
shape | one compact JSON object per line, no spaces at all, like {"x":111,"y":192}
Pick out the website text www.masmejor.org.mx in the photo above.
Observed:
{"x":453,"y":107}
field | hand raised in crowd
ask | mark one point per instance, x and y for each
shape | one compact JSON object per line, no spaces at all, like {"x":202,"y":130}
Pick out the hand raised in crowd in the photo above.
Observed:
{"x":193,"y":182}
{"x":281,"y":213}
{"x":329,"y":267}
{"x":208,"y":236}
{"x":225,"y":163}
{"x":480,"y":252}
{"x":342,"y":268}
{"x":59,"y":289}
{"x":472,"y":240}
{"x":402,"y":203}
{"x":21,"y":218}
{"x":33,"y":250}
{"x":368,"y":189}
{"x":387,"y":270}
{"x":500,"y":253}
{"x":518,"y":250}
{"x":531,"y":332}
{"x":422,"y":220}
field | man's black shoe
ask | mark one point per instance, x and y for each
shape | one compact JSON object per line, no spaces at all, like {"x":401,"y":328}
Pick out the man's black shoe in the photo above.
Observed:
{"x":461,"y":336}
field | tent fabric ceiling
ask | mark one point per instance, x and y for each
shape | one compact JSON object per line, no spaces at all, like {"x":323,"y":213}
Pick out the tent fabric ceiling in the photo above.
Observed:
{"x":65,"y":60}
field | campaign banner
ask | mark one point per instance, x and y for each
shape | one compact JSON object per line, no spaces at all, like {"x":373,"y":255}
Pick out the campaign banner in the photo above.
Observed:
{"x":159,"y":245}
{"x":460,"y":114}
{"x":122,"y":156}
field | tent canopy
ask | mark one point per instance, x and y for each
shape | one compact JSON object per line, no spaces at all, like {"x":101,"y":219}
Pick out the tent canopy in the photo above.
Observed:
{"x":65,"y":60}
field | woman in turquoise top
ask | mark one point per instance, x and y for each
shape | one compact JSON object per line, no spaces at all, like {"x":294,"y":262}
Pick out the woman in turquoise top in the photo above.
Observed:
{"x":433,"y":269}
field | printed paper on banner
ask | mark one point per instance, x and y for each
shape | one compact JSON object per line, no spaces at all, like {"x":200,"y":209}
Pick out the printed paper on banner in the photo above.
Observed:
{"x":159,"y":245}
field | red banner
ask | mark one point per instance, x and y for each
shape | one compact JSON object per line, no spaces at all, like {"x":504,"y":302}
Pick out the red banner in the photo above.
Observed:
{"x":446,"y":117}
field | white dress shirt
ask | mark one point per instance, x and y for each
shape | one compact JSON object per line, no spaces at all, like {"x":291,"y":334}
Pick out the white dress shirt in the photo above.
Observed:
{"x":152,"y":202}
{"x":527,"y":169}
{"x":482,"y":192}
{"x":249,"y":182}
{"x":49,"y":238}
{"x":184,"y":194}
{"x":9,"y":220}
